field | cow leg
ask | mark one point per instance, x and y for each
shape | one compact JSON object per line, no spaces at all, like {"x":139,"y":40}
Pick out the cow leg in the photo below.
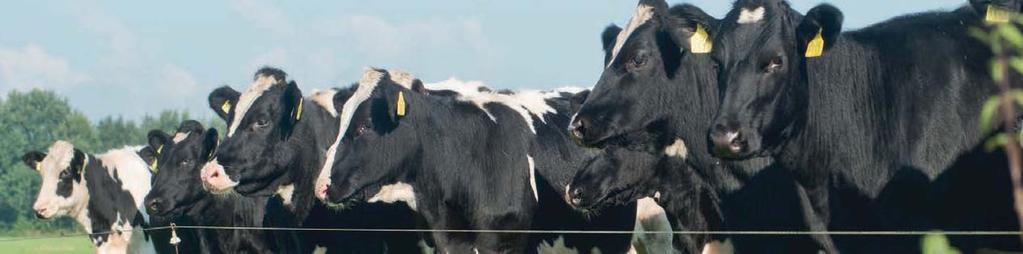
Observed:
{"x":816,"y":214}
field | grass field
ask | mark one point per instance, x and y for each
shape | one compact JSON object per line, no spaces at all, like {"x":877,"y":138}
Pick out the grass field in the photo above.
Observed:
{"x":79,"y":244}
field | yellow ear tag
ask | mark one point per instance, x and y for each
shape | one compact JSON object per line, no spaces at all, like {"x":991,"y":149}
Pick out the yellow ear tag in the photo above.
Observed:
{"x":816,"y":46}
{"x":700,"y":42}
{"x":997,"y":14}
{"x":158,"y":149}
{"x":226,"y":107}
{"x":39,"y":166}
{"x":152,"y":167}
{"x":298,"y":111}
{"x":401,"y":103}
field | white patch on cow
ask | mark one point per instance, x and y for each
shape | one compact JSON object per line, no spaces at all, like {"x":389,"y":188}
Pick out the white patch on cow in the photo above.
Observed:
{"x":391,"y":193}
{"x":133,"y":172}
{"x":180,"y":136}
{"x":320,"y":250}
{"x":532,"y":177}
{"x":475,"y":250}
{"x":369,"y":81}
{"x":718,"y":247}
{"x":287,"y":192}
{"x":747,"y":16}
{"x":677,"y":149}
{"x":651,"y":219}
{"x":527,"y":103}
{"x":325,"y":99}
{"x":58,"y":158}
{"x":246,"y":99}
{"x":643,"y":14}
{"x":221,"y":187}
{"x":401,"y":77}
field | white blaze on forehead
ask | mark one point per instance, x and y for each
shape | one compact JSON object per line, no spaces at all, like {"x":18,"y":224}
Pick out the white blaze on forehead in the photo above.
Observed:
{"x":180,"y":136}
{"x":246,"y":99}
{"x":325,"y":99}
{"x":643,"y":14}
{"x":394,"y":193}
{"x":532,"y":177}
{"x":747,"y":16}
{"x":369,"y":81}
{"x":677,"y":149}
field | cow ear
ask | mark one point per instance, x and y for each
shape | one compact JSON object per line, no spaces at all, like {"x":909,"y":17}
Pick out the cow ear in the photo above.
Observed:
{"x":996,"y":11}
{"x":210,"y":143}
{"x":149,"y":155}
{"x":34,"y":160}
{"x":819,"y":30}
{"x":608,"y":38}
{"x":293,"y":104}
{"x":78,"y":162}
{"x":390,"y":101}
{"x":223,"y":100}
{"x":417,"y":86}
{"x":157,"y":140}
{"x":691,"y":28}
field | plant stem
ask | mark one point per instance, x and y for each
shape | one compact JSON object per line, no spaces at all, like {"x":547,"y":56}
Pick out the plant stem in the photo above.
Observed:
{"x":1012,"y":146}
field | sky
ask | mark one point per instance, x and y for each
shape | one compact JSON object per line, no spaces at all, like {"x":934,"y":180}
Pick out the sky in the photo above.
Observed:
{"x":133,"y":58}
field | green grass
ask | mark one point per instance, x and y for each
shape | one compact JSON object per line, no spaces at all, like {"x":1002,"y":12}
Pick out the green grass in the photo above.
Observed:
{"x":76,"y":244}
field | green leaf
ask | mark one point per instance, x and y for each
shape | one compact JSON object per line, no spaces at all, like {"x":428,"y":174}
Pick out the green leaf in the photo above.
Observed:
{"x":937,"y":243}
{"x":1017,"y":96}
{"x":980,"y":34}
{"x":1011,"y":34}
{"x":997,"y":70}
{"x":998,"y":141}
{"x":988,"y":113}
{"x":1017,"y":63}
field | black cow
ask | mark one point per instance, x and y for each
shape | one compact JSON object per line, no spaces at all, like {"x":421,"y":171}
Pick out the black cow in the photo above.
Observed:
{"x":651,"y":107}
{"x":465,"y":158}
{"x":178,"y":195}
{"x":102,"y":192}
{"x":275,"y":143}
{"x":866,"y":119}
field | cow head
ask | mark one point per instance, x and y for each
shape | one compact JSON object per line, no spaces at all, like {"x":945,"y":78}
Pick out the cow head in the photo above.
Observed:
{"x":177,"y":184}
{"x":260,"y":120}
{"x":765,"y":47}
{"x":377,"y":142}
{"x":63,"y":191}
{"x":616,"y":177}
{"x":658,"y":51}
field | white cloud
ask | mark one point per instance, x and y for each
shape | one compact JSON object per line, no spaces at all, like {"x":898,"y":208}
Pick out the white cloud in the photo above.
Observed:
{"x":32,"y":67}
{"x":264,"y":15}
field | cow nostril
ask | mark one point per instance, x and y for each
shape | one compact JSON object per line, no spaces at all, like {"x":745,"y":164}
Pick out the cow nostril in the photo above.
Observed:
{"x":575,"y":196}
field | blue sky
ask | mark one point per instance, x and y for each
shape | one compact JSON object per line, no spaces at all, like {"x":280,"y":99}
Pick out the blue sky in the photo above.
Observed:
{"x":131,"y":58}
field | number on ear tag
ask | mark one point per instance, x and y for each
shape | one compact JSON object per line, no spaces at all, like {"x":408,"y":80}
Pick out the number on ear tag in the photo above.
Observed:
{"x":816,"y":46}
{"x":401,"y":103}
{"x":997,"y":14}
{"x":700,"y":42}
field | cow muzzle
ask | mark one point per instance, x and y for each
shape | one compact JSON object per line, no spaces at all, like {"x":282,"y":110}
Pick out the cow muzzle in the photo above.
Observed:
{"x":215,"y":179}
{"x":727,"y":142}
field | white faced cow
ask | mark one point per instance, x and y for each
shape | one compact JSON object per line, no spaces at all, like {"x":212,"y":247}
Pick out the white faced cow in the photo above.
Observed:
{"x":103,"y":193}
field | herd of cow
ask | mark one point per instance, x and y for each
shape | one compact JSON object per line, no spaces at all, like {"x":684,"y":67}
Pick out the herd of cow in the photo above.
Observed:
{"x":765,"y":120}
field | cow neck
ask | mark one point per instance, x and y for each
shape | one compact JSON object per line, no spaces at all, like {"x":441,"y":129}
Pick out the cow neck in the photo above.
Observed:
{"x":81,"y":214}
{"x":309,"y":146}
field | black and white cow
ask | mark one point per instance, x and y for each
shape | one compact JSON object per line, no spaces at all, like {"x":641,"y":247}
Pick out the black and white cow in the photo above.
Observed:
{"x":275,"y":143}
{"x":102,"y":192}
{"x":866,"y":119}
{"x":650,"y":110}
{"x":177,"y":195}
{"x":465,"y":158}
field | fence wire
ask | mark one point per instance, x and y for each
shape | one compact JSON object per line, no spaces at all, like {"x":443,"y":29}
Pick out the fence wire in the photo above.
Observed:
{"x":605,"y":232}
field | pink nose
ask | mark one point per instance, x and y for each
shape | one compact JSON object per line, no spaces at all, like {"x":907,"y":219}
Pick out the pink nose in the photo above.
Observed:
{"x":40,"y":212}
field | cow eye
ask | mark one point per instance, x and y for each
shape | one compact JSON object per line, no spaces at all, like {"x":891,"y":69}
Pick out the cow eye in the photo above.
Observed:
{"x":774,"y":65}
{"x":636,"y":62}
{"x":185,"y":162}
{"x":260,"y":124}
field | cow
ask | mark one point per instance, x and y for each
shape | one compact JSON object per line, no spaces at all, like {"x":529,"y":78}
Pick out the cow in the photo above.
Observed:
{"x":866,"y":120}
{"x":177,"y":195}
{"x":274,"y":145}
{"x":449,"y":150}
{"x":103,"y":193}
{"x":655,"y":99}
